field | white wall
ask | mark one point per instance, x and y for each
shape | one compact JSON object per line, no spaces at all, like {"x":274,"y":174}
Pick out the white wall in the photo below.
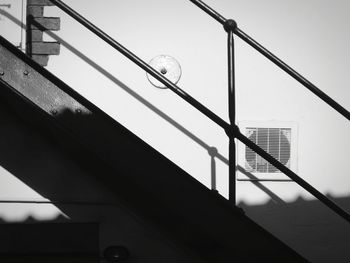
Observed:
{"x":310,"y":36}
{"x":8,"y":29}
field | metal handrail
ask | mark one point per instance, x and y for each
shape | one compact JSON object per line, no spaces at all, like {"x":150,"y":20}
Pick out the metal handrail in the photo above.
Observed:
{"x":231,"y":129}
{"x":324,"y":199}
{"x":97,"y":31}
{"x":293,"y":73}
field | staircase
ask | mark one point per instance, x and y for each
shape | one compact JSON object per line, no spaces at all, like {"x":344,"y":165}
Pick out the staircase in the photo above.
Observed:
{"x":199,"y":221}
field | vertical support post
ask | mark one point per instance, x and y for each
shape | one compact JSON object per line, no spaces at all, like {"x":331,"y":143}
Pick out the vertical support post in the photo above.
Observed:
{"x":213,"y":152}
{"x":230,"y":26}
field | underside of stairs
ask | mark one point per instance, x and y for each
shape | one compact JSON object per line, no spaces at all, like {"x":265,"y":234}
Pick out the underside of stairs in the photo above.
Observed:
{"x":188,"y":214}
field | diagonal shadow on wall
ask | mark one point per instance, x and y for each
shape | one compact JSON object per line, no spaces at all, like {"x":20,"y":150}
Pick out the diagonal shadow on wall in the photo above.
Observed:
{"x":35,"y":168}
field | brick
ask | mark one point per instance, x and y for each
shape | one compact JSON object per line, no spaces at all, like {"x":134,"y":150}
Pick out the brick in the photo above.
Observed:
{"x":45,"y":48}
{"x":41,"y":59}
{"x":39,"y":2}
{"x":35,"y":11}
{"x":34,"y":35}
{"x":45,"y":23}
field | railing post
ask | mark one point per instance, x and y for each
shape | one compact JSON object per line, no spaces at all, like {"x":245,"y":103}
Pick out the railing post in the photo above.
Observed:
{"x":230,"y":26}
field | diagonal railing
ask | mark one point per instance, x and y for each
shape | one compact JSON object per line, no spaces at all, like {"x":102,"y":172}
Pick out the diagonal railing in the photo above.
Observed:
{"x":233,"y":27}
{"x":231,"y":128}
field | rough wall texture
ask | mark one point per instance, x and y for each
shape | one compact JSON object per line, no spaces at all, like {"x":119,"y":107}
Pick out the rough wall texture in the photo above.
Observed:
{"x":36,"y":47}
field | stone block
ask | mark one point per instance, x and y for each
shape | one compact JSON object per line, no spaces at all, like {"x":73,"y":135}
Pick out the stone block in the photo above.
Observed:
{"x":45,"y":48}
{"x":35,"y":11}
{"x":41,"y":59}
{"x":45,"y":23}
{"x":39,"y":2}
{"x":34,"y":35}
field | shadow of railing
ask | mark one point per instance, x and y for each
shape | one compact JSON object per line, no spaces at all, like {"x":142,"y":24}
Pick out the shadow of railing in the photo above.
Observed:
{"x":212,"y":151}
{"x":125,"y":88}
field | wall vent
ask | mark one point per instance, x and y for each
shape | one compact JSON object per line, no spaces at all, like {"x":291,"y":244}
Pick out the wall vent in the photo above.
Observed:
{"x":275,"y":141}
{"x":276,"y":138}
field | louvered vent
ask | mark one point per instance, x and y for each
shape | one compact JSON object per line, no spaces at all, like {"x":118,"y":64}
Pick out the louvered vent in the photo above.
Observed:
{"x":275,"y":141}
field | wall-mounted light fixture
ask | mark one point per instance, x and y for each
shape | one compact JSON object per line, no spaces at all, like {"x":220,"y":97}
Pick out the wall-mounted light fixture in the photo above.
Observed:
{"x":168,"y":67}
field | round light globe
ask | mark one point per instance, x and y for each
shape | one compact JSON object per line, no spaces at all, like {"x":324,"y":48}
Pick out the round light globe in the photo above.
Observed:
{"x":168,"y":67}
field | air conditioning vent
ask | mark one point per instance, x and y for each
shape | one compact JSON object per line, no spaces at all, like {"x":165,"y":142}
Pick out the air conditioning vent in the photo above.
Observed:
{"x":275,"y":141}
{"x":277,"y":138}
